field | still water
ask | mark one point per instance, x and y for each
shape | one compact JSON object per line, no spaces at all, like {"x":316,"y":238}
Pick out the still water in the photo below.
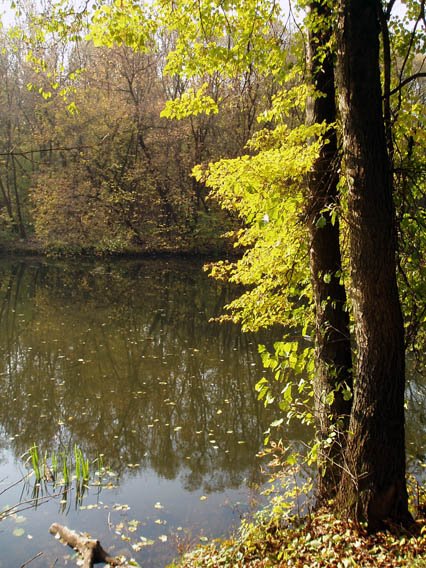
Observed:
{"x":120,"y":358}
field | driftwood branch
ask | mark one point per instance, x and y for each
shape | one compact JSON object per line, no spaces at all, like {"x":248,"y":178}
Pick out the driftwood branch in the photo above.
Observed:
{"x":90,"y":549}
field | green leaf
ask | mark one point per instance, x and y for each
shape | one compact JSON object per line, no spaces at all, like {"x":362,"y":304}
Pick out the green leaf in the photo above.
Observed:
{"x":321,"y":222}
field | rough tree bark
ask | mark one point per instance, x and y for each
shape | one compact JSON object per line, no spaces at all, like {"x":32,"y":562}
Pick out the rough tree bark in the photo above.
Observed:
{"x":333,"y":359}
{"x":373,"y":485}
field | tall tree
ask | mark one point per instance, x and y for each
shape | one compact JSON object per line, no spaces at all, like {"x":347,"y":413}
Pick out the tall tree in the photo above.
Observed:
{"x":373,"y":484}
{"x":333,"y":358}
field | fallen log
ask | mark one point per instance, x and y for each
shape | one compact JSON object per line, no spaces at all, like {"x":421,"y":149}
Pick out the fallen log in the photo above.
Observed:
{"x":90,"y":549}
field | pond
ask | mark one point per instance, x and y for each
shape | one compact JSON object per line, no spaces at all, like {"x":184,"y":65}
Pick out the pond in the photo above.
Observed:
{"x":120,"y":358}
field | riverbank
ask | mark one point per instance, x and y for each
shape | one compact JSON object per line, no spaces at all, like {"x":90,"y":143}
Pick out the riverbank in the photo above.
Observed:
{"x":319,"y":539}
{"x":218,"y":248}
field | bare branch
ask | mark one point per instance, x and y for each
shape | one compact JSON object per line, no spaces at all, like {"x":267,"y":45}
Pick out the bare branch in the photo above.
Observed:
{"x":405,"y":82}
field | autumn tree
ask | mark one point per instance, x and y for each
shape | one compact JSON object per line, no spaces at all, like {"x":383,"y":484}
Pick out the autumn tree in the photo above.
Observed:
{"x":333,"y":369}
{"x":371,"y":488}
{"x":16,"y":122}
{"x":110,"y":173}
{"x":373,"y":485}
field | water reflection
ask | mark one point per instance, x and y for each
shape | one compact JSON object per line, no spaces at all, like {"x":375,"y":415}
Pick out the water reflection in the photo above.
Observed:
{"x":119,"y":358}
{"x":415,"y":395}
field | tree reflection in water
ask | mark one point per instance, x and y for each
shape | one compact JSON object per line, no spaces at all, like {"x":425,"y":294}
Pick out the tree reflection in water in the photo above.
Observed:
{"x":120,"y":358}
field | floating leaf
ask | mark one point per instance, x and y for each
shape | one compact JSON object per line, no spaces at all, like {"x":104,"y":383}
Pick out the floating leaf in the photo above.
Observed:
{"x":18,"y":532}
{"x":118,"y":507}
{"x":141,"y":543}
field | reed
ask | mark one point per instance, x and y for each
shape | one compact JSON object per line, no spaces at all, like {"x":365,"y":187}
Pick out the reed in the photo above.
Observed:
{"x":54,"y":464}
{"x":35,"y":462}
{"x":82,"y":466}
{"x":65,"y":467}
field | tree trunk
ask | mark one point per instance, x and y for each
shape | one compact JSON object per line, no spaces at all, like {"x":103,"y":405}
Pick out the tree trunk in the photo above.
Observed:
{"x":373,"y":485}
{"x":333,"y":360}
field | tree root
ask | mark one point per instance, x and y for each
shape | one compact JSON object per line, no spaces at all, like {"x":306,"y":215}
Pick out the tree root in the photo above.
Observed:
{"x":90,"y":549}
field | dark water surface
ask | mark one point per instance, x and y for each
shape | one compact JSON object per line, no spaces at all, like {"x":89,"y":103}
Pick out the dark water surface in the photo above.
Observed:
{"x":120,"y":358}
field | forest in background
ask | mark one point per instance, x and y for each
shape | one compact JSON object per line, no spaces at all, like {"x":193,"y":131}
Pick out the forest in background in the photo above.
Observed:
{"x":87,"y":162}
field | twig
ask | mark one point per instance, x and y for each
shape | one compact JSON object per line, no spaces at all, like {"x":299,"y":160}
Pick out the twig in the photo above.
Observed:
{"x":31,"y":559}
{"x":15,"y":483}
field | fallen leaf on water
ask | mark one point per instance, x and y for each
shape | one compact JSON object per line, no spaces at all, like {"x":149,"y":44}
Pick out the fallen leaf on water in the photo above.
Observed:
{"x":118,"y":507}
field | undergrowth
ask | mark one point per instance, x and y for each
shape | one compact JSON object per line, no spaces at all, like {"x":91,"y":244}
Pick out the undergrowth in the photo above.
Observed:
{"x":277,"y":536}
